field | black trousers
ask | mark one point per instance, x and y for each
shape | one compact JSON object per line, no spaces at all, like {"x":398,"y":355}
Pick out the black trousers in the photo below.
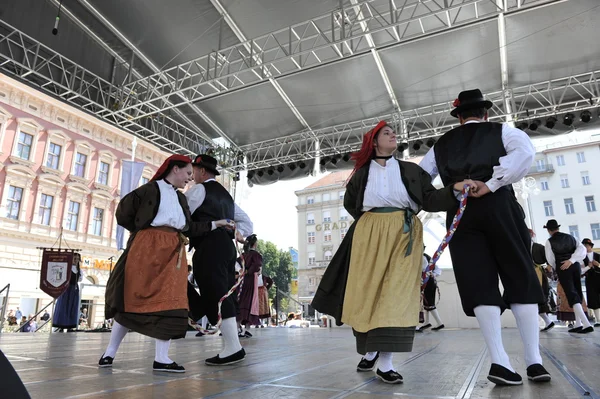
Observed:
{"x":570,"y":280}
{"x":592,"y":288}
{"x":492,"y":242}
{"x":214,"y":272}
{"x":12,"y":386}
{"x":429,"y":294}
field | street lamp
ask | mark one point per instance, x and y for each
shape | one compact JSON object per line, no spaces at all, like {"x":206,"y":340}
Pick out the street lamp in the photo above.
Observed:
{"x":525,"y":188}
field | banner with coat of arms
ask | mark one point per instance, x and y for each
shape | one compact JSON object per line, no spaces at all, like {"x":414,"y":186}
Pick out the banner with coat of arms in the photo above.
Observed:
{"x":56,"y":271}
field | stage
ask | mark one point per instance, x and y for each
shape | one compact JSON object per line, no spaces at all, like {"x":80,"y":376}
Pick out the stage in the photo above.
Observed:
{"x":296,"y":363}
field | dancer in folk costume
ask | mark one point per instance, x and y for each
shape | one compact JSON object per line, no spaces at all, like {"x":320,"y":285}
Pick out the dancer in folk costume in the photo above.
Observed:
{"x":373,"y":282}
{"x":264,"y":308}
{"x":429,"y":294}
{"x":592,"y":279}
{"x":66,"y":311}
{"x":564,"y":254}
{"x":248,"y":313}
{"x":146,"y":291}
{"x":538,"y":255}
{"x":492,"y":239}
{"x":215,"y":257}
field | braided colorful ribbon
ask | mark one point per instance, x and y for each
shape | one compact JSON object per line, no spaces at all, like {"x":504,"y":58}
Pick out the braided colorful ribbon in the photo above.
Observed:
{"x":455,"y":222}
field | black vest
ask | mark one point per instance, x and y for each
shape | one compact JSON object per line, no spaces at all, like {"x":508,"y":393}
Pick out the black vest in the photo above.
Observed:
{"x":563,"y":245}
{"x":538,"y":253}
{"x":217,"y":205}
{"x":469,"y":152}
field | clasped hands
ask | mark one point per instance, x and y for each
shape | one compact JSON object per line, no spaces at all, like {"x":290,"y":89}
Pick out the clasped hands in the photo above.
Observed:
{"x":477,"y":188}
{"x":230,"y":225}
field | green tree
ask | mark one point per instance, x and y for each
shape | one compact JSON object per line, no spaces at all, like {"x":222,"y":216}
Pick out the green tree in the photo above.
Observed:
{"x":277,"y":264}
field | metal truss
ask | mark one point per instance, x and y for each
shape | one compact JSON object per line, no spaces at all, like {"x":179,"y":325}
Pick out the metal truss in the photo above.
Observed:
{"x":539,"y":100}
{"x":28,"y":60}
{"x":331,"y":37}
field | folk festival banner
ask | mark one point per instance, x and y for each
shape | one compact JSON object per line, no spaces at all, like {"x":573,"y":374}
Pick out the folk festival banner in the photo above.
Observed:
{"x":56,"y":271}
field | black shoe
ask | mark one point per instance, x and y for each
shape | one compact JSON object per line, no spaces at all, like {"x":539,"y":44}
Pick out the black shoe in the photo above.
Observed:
{"x":548,"y":327}
{"x":597,"y":325}
{"x":247,"y":334}
{"x":200,"y":334}
{"x":500,"y":375}
{"x":105,"y":361}
{"x":231,"y":359}
{"x":390,"y":377}
{"x":537,"y":373}
{"x":438,"y":327}
{"x":168,"y":368}
{"x":425,"y":327}
{"x":576,"y":329}
{"x":586,"y":330}
{"x":240,"y":335}
{"x":367,"y":365}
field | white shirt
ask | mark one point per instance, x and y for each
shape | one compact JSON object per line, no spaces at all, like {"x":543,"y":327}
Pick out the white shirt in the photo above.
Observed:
{"x":196,"y":196}
{"x":170,"y":213}
{"x":385,"y":187}
{"x":436,"y":270}
{"x":514,"y":166}
{"x":578,"y":255}
{"x":590,"y":256}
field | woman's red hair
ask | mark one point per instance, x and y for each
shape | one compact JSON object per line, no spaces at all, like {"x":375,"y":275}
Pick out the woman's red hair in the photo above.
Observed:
{"x":365,"y":154}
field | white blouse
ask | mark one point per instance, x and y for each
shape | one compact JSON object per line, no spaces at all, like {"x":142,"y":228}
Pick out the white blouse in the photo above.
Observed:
{"x":385,"y":187}
{"x":170,"y":213}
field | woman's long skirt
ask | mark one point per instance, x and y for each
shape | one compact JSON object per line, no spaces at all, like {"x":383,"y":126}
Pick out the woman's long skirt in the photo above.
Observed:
{"x":264,"y":309}
{"x":66,"y":311}
{"x":147,"y":291}
{"x":565,"y":312}
{"x":382,"y":298}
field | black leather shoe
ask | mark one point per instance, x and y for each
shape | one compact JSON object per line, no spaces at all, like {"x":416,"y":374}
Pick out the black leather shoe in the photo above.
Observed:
{"x":231,"y":359}
{"x":200,"y":334}
{"x":597,"y":325}
{"x":390,"y":377}
{"x":438,"y":327}
{"x":425,"y":327}
{"x":586,"y":330}
{"x":247,"y":334}
{"x":537,"y":373}
{"x":500,"y":375}
{"x":548,"y":327}
{"x":575,"y":330}
{"x":366,"y":365}
{"x":105,"y":361}
{"x":168,"y":368}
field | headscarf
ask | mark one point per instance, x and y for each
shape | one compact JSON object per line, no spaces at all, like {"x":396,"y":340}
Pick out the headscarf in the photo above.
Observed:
{"x":365,"y":154}
{"x":163,"y":168}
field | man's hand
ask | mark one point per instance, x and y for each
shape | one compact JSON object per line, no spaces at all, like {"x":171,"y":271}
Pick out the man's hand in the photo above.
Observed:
{"x":481,"y":190}
{"x":565,"y":265}
{"x":239,"y":237}
{"x":460,"y":185}
{"x":227,"y":223}
{"x":595,"y":263}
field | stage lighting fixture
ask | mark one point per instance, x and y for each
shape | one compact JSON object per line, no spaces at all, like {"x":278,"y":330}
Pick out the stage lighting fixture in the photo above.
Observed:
{"x":280,"y":168}
{"x":417,"y":145}
{"x":324,"y":161}
{"x":335,"y":159}
{"x":550,"y":122}
{"x":260,"y":173}
{"x":236,"y":177}
{"x":270,"y":171}
{"x":302,"y":165}
{"x":430,"y":143}
{"x":533,"y":125}
{"x":402,"y":147}
{"x":568,"y":119}
{"x":346,"y":157}
{"x":586,"y":116}
{"x":523,"y":126}
{"x":251,"y":174}
{"x":292,"y":166}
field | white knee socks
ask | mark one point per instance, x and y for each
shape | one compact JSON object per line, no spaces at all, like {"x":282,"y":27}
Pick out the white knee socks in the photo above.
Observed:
{"x":488,"y":318}
{"x":231,"y":341}
{"x":370,"y":356}
{"x":597,"y":315}
{"x":546,"y":319}
{"x":436,"y":316}
{"x":162,"y":351}
{"x":385,"y":362}
{"x":117,"y":334}
{"x":580,"y":314}
{"x":527,"y":323}
{"x":426,"y":318}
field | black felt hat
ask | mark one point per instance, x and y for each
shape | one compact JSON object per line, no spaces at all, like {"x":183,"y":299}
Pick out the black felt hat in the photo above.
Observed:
{"x":207,"y":162}
{"x":587,"y":241}
{"x":552,"y":225}
{"x":469,"y":99}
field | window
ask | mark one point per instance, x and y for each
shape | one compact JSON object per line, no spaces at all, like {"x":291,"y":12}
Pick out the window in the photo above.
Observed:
{"x":341,"y":195}
{"x":310,"y":200}
{"x":45,"y":211}
{"x":548,"y":208}
{"x":97,"y":222}
{"x":312,"y":258}
{"x":312,"y":281}
{"x":15,"y":194}
{"x":595,"y":231}
{"x":310,"y":218}
{"x":326,"y":197}
{"x":103,"y":173}
{"x":560,"y":160}
{"x":541,"y":165}
{"x":327,"y":236}
{"x":343,"y":233}
{"x":574,"y":231}
{"x":24,"y":145}
{"x":311,"y":237}
{"x":144,"y":180}
{"x":326,"y":216}
{"x":585,"y":178}
{"x":569,"y":207}
{"x":53,"y":156}
{"x":73,"y":215}
{"x":544,"y":184}
{"x":590,"y":203}
{"x":564,"y":181}
{"x":580,"y":157}
{"x":328,"y":255}
{"x":343,"y":214}
{"x":80,"y":163}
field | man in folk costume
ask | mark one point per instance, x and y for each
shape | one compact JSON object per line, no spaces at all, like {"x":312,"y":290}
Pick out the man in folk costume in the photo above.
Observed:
{"x":538,"y":255}
{"x":215,"y":256}
{"x":146,"y":291}
{"x":564,"y":254}
{"x":429,"y":294}
{"x":492,"y":239}
{"x":373,"y":282}
{"x":592,"y":279}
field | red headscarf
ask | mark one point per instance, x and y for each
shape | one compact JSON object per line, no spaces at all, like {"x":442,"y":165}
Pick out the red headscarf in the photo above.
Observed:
{"x":163,"y":168}
{"x":362,"y":157}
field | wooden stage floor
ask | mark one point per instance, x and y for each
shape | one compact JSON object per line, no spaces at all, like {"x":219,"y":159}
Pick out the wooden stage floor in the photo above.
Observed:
{"x":296,"y":363}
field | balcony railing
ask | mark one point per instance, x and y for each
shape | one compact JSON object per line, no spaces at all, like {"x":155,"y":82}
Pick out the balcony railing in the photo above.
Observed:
{"x":538,"y":169}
